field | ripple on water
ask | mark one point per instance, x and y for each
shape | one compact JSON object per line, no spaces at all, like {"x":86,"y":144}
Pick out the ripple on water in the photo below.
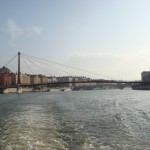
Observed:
{"x":95,"y":120}
{"x":31,"y":130}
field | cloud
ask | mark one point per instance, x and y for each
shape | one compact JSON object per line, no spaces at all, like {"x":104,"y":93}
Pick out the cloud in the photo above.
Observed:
{"x":37,"y":30}
{"x":15,"y":31}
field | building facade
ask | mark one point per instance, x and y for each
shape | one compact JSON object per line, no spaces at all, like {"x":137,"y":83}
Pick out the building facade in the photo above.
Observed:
{"x":52,"y":79}
{"x":35,"y":79}
{"x":66,"y":79}
{"x":24,"y":79}
{"x":5,"y":76}
{"x":5,"y":79}
{"x":145,"y":75}
{"x":44,"y":79}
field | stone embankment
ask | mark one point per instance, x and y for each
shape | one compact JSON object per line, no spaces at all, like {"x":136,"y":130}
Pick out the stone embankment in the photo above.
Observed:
{"x":14,"y":90}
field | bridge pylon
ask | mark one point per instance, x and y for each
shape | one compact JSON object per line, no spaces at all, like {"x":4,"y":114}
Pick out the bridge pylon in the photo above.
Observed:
{"x":19,"y":88}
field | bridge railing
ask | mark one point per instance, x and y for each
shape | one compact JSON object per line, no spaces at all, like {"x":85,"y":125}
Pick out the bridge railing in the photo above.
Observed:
{"x":89,"y":81}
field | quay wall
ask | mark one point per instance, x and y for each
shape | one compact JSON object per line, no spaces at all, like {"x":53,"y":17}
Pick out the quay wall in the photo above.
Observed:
{"x":9,"y":90}
{"x":14,"y":90}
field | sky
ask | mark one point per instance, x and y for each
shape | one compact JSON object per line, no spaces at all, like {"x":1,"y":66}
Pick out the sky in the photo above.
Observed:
{"x":105,"y":37}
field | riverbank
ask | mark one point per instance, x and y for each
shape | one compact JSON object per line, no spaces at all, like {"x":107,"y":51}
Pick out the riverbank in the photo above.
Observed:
{"x":57,"y":89}
{"x":14,"y":90}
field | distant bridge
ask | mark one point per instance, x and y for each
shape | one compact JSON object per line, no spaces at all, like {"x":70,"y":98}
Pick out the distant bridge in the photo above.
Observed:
{"x":122,"y":83}
{"x":75,"y":82}
{"x":91,"y":81}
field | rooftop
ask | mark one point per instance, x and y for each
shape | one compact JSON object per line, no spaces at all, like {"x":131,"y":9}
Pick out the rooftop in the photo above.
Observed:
{"x":5,"y":70}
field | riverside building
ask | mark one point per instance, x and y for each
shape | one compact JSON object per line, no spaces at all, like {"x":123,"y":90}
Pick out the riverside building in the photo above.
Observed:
{"x":24,"y":79}
{"x":5,"y":76}
{"x":145,"y":75}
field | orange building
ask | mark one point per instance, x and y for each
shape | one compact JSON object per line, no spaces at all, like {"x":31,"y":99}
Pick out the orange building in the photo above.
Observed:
{"x":24,"y":78}
{"x":44,"y":79}
{"x":35,"y":79}
{"x":38,"y":79}
{"x":5,"y":76}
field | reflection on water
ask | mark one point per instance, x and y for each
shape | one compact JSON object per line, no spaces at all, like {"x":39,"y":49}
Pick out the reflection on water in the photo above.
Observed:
{"x":81,"y":120}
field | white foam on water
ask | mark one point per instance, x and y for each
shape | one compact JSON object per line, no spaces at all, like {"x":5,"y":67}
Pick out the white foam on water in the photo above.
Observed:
{"x":105,"y":148}
{"x":8,"y":148}
{"x":32,"y":129}
{"x":90,"y":143}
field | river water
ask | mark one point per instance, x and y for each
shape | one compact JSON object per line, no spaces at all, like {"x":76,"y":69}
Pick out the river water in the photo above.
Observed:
{"x":75,"y":120}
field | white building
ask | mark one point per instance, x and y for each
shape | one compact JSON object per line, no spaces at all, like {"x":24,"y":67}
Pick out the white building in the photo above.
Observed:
{"x":66,"y":79}
{"x":52,"y":79}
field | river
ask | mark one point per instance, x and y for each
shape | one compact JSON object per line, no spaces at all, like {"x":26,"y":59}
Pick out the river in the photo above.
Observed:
{"x":75,"y":120}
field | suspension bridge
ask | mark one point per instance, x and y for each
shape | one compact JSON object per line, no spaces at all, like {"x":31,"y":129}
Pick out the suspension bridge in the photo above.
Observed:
{"x":28,"y":62}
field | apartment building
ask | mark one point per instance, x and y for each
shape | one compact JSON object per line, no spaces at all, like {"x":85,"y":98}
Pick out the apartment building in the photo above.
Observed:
{"x":24,"y":79}
{"x":5,"y":76}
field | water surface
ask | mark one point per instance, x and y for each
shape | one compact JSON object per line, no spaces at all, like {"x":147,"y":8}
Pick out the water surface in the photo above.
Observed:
{"x":76,"y":120}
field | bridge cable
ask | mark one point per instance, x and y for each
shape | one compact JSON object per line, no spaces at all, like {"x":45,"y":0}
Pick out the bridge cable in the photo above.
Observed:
{"x":11,"y":60}
{"x":39,"y":67}
{"x":60,"y":82}
{"x":54,"y":67}
{"x":24,"y":60}
{"x":70,"y":66}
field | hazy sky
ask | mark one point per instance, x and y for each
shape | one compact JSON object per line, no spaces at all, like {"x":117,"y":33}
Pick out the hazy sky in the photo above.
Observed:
{"x":108,"y":37}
